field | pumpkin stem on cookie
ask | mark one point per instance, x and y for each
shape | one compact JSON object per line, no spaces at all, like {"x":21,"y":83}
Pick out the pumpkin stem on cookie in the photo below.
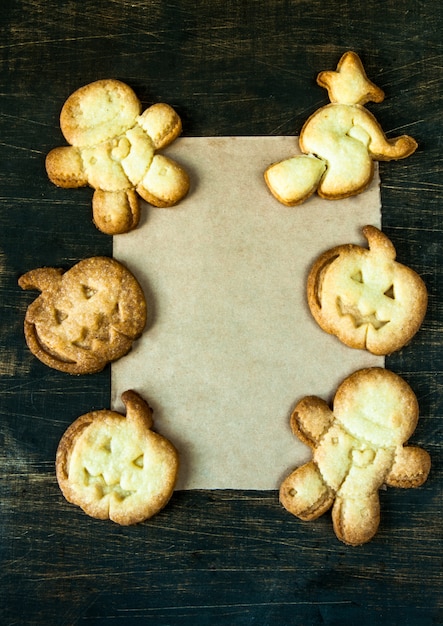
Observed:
{"x":137,"y":408}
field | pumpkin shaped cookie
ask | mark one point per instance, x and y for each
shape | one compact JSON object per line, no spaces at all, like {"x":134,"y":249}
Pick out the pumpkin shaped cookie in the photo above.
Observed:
{"x":339,"y":142}
{"x":365,"y":297}
{"x":115,"y":467}
{"x":85,"y":317}
{"x":357,"y":447}
{"x":113,"y":150}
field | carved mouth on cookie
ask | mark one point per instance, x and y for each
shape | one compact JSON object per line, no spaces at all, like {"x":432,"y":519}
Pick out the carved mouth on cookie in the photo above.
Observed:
{"x":103,"y":488}
{"x":55,"y":359}
{"x":357,"y":317}
{"x":39,"y":348}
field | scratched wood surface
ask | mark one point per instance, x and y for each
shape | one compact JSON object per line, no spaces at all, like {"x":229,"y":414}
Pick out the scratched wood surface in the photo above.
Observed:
{"x":229,"y":68}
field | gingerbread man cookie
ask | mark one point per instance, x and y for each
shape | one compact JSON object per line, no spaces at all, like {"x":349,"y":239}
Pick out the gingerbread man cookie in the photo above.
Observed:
{"x":357,"y":447}
{"x":113,"y":150}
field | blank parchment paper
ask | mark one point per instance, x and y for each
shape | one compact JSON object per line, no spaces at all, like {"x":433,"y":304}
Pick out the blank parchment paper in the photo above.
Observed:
{"x":230,"y":346}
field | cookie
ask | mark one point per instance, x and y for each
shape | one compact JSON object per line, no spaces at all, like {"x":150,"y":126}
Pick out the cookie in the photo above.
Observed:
{"x":339,"y":142}
{"x":114,"y":466}
{"x":357,"y":447}
{"x":365,"y":297}
{"x":113,"y":150}
{"x":85,"y":317}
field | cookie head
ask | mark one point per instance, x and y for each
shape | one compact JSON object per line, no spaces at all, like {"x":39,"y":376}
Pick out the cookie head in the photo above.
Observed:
{"x":85,"y":317}
{"x":377,"y":406}
{"x":113,"y":150}
{"x":365,"y":297}
{"x":99,"y":111}
{"x":116,"y":467}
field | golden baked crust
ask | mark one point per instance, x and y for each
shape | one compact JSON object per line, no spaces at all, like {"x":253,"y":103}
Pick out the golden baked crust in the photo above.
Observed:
{"x":85,"y":317}
{"x":357,"y":447}
{"x":113,"y":151}
{"x":365,"y":297}
{"x":115,"y":467}
{"x":339,"y":142}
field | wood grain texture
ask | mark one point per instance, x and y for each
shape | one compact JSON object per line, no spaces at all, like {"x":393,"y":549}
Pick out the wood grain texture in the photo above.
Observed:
{"x":229,"y":68}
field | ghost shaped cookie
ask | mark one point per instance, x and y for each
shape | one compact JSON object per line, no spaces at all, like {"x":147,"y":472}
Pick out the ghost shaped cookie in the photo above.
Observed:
{"x":115,"y":466}
{"x":85,"y":317}
{"x":113,"y":149}
{"x":357,"y":447}
{"x":365,"y":297}
{"x":339,"y":142}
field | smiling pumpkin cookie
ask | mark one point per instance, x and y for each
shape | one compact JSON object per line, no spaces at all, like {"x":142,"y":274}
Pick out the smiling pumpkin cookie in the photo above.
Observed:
{"x":365,"y":297}
{"x":85,"y":317}
{"x":116,"y":467}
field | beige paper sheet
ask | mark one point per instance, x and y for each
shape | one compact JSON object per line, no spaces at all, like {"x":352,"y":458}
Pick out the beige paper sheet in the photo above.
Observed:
{"x":230,"y":345}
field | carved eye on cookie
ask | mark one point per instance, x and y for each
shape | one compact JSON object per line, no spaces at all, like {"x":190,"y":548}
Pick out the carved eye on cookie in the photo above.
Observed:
{"x":113,"y":150}
{"x":339,"y":142}
{"x":85,"y":317}
{"x":357,"y":446}
{"x":115,"y":467}
{"x":365,"y":297}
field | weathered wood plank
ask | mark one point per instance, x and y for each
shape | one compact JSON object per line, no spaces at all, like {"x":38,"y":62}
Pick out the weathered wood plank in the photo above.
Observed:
{"x":229,"y":68}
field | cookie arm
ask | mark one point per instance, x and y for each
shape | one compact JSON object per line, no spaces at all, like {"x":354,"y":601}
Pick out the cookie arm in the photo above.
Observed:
{"x":161,"y":123}
{"x":165,"y":183}
{"x":410,"y":469}
{"x":64,"y":167}
{"x":310,"y":419}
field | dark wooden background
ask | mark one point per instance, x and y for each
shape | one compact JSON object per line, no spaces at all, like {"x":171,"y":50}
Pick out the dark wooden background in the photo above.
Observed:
{"x":234,"y":558}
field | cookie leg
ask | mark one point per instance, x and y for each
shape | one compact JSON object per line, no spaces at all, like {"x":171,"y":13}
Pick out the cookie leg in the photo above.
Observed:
{"x":115,"y":212}
{"x":356,"y":520}
{"x":304,"y":493}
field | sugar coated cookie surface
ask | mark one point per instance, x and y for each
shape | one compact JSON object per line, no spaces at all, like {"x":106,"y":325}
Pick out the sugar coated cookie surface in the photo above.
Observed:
{"x":114,"y":466}
{"x":365,"y":297}
{"x":339,"y":142}
{"x":85,"y":317}
{"x":113,"y":150}
{"x":357,"y":447}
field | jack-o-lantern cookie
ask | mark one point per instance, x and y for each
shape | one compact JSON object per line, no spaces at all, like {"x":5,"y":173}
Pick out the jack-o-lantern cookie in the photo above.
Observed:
{"x":113,"y":150}
{"x":365,"y":297}
{"x":357,"y":447}
{"x":115,"y":467}
{"x":85,"y":317}
{"x":339,"y":142}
